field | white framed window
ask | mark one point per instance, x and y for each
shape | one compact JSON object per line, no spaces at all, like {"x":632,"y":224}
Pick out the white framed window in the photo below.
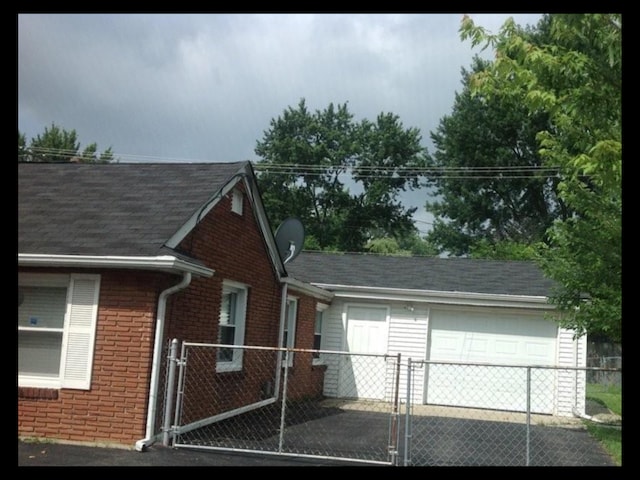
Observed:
{"x":236,"y":201}
{"x":57,"y":316}
{"x":231,"y":325}
{"x":317,"y":332}
{"x":289,"y":338}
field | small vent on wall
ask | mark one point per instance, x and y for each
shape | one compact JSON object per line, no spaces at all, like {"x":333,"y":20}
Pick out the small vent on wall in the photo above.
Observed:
{"x":236,"y":201}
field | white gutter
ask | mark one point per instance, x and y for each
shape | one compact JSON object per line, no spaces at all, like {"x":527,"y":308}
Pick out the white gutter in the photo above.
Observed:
{"x":162,"y":262}
{"x":312,"y":290}
{"x":435,"y":296}
{"x":157,"y":357}
{"x":584,"y":416}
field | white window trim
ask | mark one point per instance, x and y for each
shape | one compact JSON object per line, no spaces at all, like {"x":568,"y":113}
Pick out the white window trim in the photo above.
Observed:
{"x":242,"y":292}
{"x":320,"y":307}
{"x":291,"y":327}
{"x":79,"y":331}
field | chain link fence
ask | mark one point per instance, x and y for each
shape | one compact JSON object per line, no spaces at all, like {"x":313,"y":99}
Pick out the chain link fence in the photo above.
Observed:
{"x":271,"y":405}
{"x":500,"y":415}
{"x":376,"y":409}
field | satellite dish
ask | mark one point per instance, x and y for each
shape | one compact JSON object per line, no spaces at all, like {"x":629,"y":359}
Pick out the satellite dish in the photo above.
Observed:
{"x":290,"y":239}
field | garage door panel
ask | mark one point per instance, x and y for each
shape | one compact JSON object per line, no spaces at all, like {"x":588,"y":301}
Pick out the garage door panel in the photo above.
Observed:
{"x":507,"y":348}
{"x":447,"y":345}
{"x":538,"y":350}
{"x":494,"y":339}
{"x":478,"y":345}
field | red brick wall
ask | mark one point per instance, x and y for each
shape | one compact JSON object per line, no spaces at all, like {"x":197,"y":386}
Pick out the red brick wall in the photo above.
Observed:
{"x":114,"y":410}
{"x":305,"y":379}
{"x":233,"y":246}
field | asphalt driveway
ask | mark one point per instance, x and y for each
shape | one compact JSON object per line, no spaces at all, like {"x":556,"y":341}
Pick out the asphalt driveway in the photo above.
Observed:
{"x":60,"y":455}
{"x":435,"y":441}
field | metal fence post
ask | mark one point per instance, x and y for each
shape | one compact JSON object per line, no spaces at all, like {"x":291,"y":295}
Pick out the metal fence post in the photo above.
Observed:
{"x":168,"y":402}
{"x":179,"y":396}
{"x":528,"y":416}
{"x":284,"y":400}
{"x":395,"y":432}
{"x":407,"y":418}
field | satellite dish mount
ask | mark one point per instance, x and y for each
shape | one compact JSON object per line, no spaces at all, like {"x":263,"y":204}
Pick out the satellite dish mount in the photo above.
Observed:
{"x":290,"y":239}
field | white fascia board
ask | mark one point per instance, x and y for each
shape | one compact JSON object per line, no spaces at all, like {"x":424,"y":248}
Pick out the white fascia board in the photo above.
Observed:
{"x":438,"y":297}
{"x":166,"y":263}
{"x":302,"y":287}
{"x":201,"y":212}
{"x":245,"y":173}
{"x":263,"y":222}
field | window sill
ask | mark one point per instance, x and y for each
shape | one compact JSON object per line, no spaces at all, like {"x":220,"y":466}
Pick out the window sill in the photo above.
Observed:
{"x":224,"y":370}
{"x":35,"y":393}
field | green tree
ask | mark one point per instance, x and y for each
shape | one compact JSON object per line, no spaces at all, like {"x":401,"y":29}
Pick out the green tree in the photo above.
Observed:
{"x":576,"y":79}
{"x":418,"y":245}
{"x":505,"y":250}
{"x":58,"y":145}
{"x":385,"y":246}
{"x":488,"y":182}
{"x":308,"y":159}
{"x":410,"y":244}
{"x":22,"y":146}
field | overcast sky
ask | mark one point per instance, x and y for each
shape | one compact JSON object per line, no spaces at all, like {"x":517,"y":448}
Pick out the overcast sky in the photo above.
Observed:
{"x":181,"y":87}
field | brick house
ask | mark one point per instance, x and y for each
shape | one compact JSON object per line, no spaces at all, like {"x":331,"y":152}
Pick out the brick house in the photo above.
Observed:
{"x":114,"y":260}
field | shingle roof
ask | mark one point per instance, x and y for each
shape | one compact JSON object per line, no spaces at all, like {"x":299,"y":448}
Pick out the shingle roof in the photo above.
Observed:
{"x":421,"y":273}
{"x":125,"y":209}
{"x":111,"y":209}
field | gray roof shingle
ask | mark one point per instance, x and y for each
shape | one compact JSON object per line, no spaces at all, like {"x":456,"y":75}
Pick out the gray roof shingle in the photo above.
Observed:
{"x":421,"y":273}
{"x":122,"y":209}
{"x":111,"y":209}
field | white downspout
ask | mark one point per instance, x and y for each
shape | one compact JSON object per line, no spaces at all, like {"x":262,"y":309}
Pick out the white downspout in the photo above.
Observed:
{"x":157,"y":357}
{"x":283,"y":321}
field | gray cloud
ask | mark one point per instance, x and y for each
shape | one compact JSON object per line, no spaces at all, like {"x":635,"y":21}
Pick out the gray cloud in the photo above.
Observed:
{"x":205,"y":87}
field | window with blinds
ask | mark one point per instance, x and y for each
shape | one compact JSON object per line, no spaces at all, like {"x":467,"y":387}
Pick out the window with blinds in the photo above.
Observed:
{"x":57,"y":317}
{"x":40,"y":328}
{"x":231,"y":325}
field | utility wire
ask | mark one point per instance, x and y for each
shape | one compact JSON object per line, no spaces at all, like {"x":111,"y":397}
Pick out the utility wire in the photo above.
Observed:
{"x":359,"y":171}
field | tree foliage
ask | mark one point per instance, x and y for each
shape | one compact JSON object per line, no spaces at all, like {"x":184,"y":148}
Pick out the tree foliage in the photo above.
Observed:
{"x":489,"y":185}
{"x":575,"y":78}
{"x":409,"y":245}
{"x":342,"y":178}
{"x":59,"y":145}
{"x":505,"y":250}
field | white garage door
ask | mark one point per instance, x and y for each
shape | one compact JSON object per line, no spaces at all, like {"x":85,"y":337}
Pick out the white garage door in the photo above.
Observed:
{"x":493,"y":338}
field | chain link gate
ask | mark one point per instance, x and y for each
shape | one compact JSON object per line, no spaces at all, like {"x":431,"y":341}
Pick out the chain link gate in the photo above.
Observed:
{"x":273,"y":402}
{"x":376,"y":409}
{"x":533,"y":422}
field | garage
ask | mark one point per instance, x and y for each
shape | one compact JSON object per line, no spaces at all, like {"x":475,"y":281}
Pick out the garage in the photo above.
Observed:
{"x":490,"y":337}
{"x":436,"y":310}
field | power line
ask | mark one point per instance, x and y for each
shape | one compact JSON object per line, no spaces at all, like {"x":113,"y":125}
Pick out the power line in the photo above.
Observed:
{"x":359,"y":171}
{"x":409,"y":173}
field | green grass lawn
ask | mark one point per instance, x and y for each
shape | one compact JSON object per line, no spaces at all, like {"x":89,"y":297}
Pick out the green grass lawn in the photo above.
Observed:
{"x":610,"y":437}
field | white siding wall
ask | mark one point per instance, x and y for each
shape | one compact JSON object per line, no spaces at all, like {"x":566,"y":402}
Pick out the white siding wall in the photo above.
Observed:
{"x":571,"y":383}
{"x":408,"y":337}
{"x":332,"y":339}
